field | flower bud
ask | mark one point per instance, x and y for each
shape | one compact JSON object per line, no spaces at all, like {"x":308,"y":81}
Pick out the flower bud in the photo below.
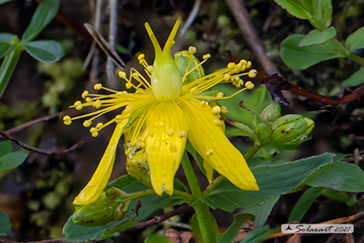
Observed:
{"x":263,"y":133}
{"x":290,"y":131}
{"x":111,"y":206}
{"x":271,"y":112}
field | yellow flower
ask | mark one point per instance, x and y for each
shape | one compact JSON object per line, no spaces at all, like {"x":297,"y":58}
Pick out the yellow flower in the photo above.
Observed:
{"x":161,"y":115}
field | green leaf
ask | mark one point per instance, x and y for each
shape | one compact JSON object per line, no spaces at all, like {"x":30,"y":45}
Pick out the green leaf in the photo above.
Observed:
{"x":354,"y":80}
{"x":304,"y":203}
{"x":5,"y":225}
{"x":45,"y":51}
{"x":6,"y":37}
{"x":5,"y":48}
{"x":230,"y":234}
{"x":45,"y":12}
{"x":5,"y":148}
{"x":262,"y":211}
{"x":150,"y":204}
{"x":273,"y":180}
{"x":256,"y":101}
{"x":316,"y":37}
{"x":257,"y":236}
{"x":12,"y":160}
{"x":303,"y":57}
{"x":318,"y":12}
{"x":341,"y":176}
{"x":355,"y":40}
{"x":156,"y":239}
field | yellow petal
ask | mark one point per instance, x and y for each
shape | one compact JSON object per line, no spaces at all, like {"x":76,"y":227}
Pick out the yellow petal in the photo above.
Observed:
{"x":100,"y":178}
{"x":209,"y":171}
{"x":211,"y":143}
{"x":165,"y":144}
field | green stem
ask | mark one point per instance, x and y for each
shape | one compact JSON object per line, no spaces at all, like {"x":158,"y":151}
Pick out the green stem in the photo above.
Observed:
{"x":8,"y":67}
{"x":220,"y":178}
{"x":345,"y":52}
{"x":149,"y":192}
{"x":356,"y":59}
{"x":202,"y":211}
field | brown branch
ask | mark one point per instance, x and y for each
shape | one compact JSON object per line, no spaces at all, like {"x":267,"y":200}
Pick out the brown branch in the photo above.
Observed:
{"x":31,"y":123}
{"x":333,"y":221}
{"x":242,"y":18}
{"x":40,"y":151}
{"x":158,"y":219}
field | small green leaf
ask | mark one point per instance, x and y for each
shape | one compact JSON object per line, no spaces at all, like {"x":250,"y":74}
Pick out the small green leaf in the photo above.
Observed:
{"x":341,"y":176}
{"x":156,"y":239}
{"x":355,"y":40}
{"x":12,"y":160}
{"x":45,"y":51}
{"x":316,"y":37}
{"x":5,"y":148}
{"x":319,"y":13}
{"x":45,"y":12}
{"x":5,"y":225}
{"x":304,"y":203}
{"x":354,"y":80}
{"x":258,"y":235}
{"x":6,"y":37}
{"x":262,"y":211}
{"x":230,"y":234}
{"x":5,"y":48}
{"x":303,"y":57}
{"x":273,"y":180}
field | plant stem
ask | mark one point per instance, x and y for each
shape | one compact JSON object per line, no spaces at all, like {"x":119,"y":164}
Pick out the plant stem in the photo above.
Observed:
{"x":201,"y":209}
{"x":356,"y":59}
{"x":8,"y":67}
{"x":345,"y":52}
{"x":220,"y":178}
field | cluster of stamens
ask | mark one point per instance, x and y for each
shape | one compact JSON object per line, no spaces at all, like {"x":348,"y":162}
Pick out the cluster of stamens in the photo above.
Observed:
{"x":117,"y":99}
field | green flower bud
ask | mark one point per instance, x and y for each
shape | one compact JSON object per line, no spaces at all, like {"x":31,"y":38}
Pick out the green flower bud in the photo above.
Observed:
{"x":271,"y":113}
{"x":137,"y":166}
{"x":111,"y":206}
{"x":263,"y":133}
{"x":290,"y":131}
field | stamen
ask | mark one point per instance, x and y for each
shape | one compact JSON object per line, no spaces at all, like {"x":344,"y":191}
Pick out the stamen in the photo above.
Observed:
{"x":181,"y":134}
{"x":87,"y":123}
{"x":252,"y":73}
{"x":209,"y":152}
{"x":248,"y":64}
{"x":84,"y":94}
{"x":217,"y":122}
{"x":170,"y":132}
{"x":220,"y":95}
{"x":216,"y":110}
{"x":67,"y":120}
{"x":224,"y":110}
{"x":192,"y":49}
{"x":249,"y":85}
{"x":97,"y":86}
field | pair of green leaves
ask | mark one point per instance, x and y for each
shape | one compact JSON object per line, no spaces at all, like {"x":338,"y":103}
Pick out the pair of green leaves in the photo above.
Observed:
{"x":8,"y":160}
{"x":45,"y":50}
{"x":302,"y":51}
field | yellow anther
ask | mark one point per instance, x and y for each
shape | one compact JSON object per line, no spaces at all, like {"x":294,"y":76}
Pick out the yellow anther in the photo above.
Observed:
{"x":240,"y":83}
{"x":220,"y":95}
{"x":87,"y":123}
{"x":97,"y":104}
{"x":77,"y":103}
{"x":95,"y":134}
{"x":134,"y":142}
{"x":216,"y":110}
{"x":243,"y":68}
{"x":140,"y":144}
{"x":99,"y":125}
{"x":128,"y":85}
{"x":67,"y":120}
{"x":227,"y":77}
{"x":93,"y":130}
{"x":181,"y":134}
{"x":118,"y":119}
{"x":88,"y":100}
{"x":249,"y":85}
{"x":97,"y":86}
{"x":135,"y":75}
{"x":192,"y":49}
{"x":79,"y":107}
{"x":128,"y":151}
{"x":217,"y":122}
{"x":243,"y":61}
{"x":231,"y":65}
{"x":193,"y":90}
{"x":252,"y":73}
{"x":248,"y":64}
{"x":204,"y":103}
{"x":141,"y":56}
{"x":170,"y":132}
{"x":224,"y":110}
{"x":84,"y":94}
{"x":209,"y":152}
{"x":122,"y":74}
{"x":206,"y":56}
